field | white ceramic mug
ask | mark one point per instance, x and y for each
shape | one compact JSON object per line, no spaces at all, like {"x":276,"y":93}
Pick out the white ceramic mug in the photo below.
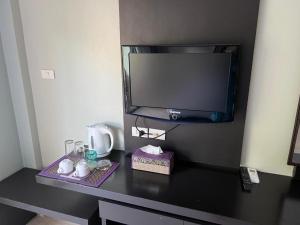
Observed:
{"x":65,"y":166}
{"x":82,"y":169}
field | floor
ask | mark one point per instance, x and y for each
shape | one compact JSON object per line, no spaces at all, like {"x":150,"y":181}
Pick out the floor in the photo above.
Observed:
{"x":44,"y":220}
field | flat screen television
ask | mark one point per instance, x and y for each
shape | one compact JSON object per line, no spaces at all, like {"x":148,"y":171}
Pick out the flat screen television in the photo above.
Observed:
{"x":180,"y":83}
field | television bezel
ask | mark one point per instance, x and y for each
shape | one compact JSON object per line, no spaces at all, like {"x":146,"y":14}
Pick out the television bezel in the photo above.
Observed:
{"x":179,"y":115}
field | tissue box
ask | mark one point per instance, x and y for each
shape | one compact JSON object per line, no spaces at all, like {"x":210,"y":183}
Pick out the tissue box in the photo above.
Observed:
{"x":162,"y":163}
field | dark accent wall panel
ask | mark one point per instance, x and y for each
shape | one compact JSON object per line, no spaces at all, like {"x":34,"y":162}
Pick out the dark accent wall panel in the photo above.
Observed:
{"x":195,"y":22}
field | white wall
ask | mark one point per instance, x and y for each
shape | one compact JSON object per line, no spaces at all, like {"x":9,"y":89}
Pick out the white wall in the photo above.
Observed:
{"x":80,"y":40}
{"x":10,"y":155}
{"x":275,"y":87}
{"x":18,"y":78}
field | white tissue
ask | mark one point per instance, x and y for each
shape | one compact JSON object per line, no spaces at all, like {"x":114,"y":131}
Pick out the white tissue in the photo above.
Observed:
{"x":150,"y":149}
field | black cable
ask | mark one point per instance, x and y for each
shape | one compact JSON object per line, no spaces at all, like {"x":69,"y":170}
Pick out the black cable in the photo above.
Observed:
{"x":141,"y":132}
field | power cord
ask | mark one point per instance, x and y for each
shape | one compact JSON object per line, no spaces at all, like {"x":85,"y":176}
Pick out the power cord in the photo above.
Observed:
{"x":141,"y":132}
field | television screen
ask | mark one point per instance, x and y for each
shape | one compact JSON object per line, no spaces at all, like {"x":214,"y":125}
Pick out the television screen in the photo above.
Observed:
{"x":195,"y":83}
{"x":180,"y":81}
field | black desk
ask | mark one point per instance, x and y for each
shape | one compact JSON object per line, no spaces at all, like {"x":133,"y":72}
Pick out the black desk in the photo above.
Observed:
{"x":196,"y":193}
{"x":21,"y":191}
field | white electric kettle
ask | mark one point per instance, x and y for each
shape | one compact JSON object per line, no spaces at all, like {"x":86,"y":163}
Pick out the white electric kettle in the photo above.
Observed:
{"x":100,"y":139}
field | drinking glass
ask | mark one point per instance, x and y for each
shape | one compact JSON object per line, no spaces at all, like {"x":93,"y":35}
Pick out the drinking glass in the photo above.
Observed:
{"x":79,"y":148}
{"x":69,"y":146}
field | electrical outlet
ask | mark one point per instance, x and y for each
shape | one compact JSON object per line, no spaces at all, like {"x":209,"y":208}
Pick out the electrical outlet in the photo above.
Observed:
{"x":155,"y":132}
{"x":48,"y":74}
{"x":136,"y":133}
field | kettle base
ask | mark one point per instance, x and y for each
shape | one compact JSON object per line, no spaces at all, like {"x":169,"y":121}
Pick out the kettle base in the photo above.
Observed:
{"x":102,"y":155}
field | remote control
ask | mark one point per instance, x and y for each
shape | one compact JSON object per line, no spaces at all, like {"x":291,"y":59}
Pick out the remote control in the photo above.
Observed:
{"x":253,"y":175}
{"x":246,"y":182}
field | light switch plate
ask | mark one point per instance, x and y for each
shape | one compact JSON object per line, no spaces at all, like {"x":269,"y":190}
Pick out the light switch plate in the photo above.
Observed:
{"x":135,"y":132}
{"x":155,"y":132}
{"x":48,"y":74}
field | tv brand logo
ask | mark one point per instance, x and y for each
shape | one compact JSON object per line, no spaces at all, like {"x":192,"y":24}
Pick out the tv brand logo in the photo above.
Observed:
{"x":174,"y":112}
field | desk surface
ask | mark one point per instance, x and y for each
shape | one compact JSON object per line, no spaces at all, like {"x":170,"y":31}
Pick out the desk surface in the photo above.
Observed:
{"x":21,"y":191}
{"x":198,"y":193}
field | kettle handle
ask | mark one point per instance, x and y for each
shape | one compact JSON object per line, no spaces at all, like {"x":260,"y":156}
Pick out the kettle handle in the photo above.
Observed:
{"x":110,"y":134}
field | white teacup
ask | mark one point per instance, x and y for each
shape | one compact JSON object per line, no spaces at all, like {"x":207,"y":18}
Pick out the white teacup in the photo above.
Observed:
{"x":82,"y":169}
{"x":65,"y":166}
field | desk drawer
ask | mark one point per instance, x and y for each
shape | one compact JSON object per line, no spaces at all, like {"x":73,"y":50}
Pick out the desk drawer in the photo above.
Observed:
{"x":133,"y":215}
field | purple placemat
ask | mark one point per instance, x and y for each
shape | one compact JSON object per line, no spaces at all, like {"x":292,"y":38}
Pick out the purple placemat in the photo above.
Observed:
{"x":95,"y":179}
